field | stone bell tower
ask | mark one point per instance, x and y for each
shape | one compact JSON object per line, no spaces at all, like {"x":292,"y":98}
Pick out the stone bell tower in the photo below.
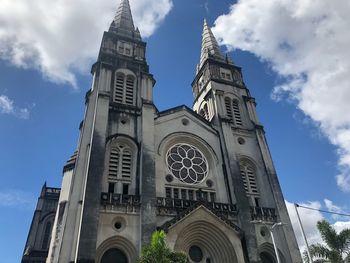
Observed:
{"x":115,"y":135}
{"x":222,"y":98}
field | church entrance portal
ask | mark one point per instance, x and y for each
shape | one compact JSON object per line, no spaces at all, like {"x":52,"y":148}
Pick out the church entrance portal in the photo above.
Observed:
{"x":114,"y":255}
{"x":266,"y":258}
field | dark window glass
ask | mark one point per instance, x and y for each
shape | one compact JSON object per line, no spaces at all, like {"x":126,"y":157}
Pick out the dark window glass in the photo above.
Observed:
{"x":111,"y":187}
{"x":190,"y":194}
{"x":212,"y":197}
{"x":183,"y":194}
{"x":205,"y":196}
{"x":257,"y":204}
{"x":176,"y":193}
{"x":168,"y":192}
{"x":198,"y":195}
{"x":125,"y":189}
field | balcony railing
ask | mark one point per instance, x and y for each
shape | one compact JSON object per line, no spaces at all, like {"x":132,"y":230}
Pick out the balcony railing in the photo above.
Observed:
{"x":120,"y":199}
{"x":171,"y":205}
{"x":263,"y":213}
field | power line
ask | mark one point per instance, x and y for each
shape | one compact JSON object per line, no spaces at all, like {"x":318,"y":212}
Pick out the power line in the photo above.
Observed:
{"x":323,"y":211}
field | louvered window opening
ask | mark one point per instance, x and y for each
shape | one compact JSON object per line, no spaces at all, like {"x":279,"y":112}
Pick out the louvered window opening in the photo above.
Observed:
{"x":204,"y":112}
{"x":248,"y":178}
{"x":236,"y":113}
{"x":119,"y":88}
{"x":120,"y":160}
{"x":126,"y":164}
{"x":129,"y":90}
{"x":233,"y":111}
{"x":228,"y":109}
{"x":124,"y":89}
{"x":114,"y":162}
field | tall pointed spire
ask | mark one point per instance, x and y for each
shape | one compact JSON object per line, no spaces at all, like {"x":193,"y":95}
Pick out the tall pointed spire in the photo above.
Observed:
{"x":123,"y":23}
{"x":123,"y":18}
{"x":210,"y":47}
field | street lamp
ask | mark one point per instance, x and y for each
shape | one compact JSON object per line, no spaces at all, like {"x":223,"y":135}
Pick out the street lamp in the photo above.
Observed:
{"x":272,"y":236}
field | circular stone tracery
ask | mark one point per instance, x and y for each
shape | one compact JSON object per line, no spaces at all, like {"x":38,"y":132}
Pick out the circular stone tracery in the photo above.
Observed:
{"x":187,"y":163}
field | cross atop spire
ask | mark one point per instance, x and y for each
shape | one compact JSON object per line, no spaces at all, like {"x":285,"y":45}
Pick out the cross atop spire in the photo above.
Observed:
{"x":123,"y":17}
{"x":210,"y":47}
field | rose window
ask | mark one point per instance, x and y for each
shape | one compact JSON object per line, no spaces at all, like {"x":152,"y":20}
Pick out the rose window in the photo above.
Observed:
{"x":187,"y":163}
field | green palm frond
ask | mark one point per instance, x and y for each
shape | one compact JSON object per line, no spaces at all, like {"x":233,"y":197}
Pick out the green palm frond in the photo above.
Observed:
{"x":159,"y":252}
{"x":328,"y":234}
{"x":337,"y":248}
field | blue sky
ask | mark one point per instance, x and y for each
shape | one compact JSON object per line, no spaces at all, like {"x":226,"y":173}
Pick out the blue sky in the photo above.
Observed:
{"x":44,"y":81}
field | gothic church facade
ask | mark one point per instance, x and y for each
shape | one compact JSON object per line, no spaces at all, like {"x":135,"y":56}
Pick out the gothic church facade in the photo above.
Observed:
{"x":204,"y":175}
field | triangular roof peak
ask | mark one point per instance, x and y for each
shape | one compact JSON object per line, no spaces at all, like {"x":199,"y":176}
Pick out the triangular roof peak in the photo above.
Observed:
{"x":210,"y":47}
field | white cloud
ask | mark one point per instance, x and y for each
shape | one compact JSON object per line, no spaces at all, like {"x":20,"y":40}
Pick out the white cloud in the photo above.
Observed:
{"x":17,"y":198}
{"x":305,"y":42}
{"x":62,"y":37}
{"x":333,"y":208}
{"x":309,"y":219}
{"x":7,"y":106}
{"x":341,"y":225}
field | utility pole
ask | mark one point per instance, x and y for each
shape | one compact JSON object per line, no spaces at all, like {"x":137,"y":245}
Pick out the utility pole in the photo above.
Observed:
{"x":303,"y":233}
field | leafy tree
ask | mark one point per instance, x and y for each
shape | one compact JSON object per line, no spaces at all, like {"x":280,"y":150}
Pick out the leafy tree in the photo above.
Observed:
{"x":159,"y":252}
{"x":337,"y":248}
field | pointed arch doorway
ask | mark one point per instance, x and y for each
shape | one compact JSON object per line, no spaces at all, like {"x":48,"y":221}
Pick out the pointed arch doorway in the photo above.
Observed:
{"x":114,"y":255}
{"x":267,"y":258}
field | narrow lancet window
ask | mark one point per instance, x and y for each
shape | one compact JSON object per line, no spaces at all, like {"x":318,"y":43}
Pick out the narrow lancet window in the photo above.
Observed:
{"x":120,"y":160}
{"x":233,"y":111}
{"x":236,"y":113}
{"x":248,"y":174}
{"x":124,"y":89}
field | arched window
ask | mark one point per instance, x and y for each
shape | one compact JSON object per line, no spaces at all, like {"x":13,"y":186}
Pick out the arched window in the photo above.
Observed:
{"x":129,"y":90}
{"x":47,"y":235}
{"x":248,"y":173}
{"x":228,"y":108}
{"x":114,"y":161}
{"x":233,"y":111}
{"x":120,"y":160}
{"x":124,"y":89}
{"x":126,"y":163}
{"x":236,"y":113}
{"x":119,"y":88}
